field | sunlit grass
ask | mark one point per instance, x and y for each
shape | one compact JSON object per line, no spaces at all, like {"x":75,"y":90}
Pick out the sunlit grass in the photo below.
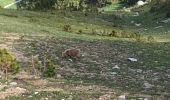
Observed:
{"x":4,"y":3}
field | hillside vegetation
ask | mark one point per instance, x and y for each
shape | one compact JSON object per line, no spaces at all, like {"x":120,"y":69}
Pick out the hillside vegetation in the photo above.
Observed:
{"x":106,"y":39}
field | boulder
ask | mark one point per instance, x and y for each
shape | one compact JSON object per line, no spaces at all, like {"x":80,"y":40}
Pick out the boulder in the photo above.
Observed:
{"x":140,"y":3}
{"x":122,"y":97}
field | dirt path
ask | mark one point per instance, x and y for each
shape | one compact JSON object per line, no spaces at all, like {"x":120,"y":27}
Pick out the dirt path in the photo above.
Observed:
{"x":8,"y":41}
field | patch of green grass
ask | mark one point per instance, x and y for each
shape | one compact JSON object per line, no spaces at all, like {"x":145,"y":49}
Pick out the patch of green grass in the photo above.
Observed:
{"x":52,"y":22}
{"x":44,"y":22}
{"x":3,"y":3}
{"x":112,"y":7}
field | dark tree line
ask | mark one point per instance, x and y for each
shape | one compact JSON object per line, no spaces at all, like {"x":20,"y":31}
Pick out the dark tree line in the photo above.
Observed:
{"x":62,"y":4}
{"x":88,"y":5}
{"x":160,"y":6}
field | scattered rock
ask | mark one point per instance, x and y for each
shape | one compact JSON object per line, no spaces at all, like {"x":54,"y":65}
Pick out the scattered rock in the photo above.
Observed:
{"x":30,"y":96}
{"x":155,"y":78}
{"x":138,"y":24}
{"x":116,"y":67}
{"x":132,"y":70}
{"x":70,"y":60}
{"x":142,"y":77}
{"x":13,"y":83}
{"x":59,"y":76}
{"x":46,"y":98}
{"x":158,"y":27}
{"x":147,"y":85}
{"x":166,"y":21}
{"x":132,"y":59}
{"x":140,"y":3}
{"x":132,"y":22}
{"x":113,"y":73}
{"x":106,"y":61}
{"x":122,"y":97}
{"x":36,"y":93}
{"x":168,"y":76}
{"x":146,"y":99}
{"x":139,"y":70}
{"x":136,"y":14}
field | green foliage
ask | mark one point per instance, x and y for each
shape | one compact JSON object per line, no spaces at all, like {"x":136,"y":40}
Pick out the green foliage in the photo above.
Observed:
{"x":168,"y":15}
{"x":80,"y":31}
{"x":160,"y":6}
{"x":36,"y":4}
{"x":62,"y":4}
{"x":48,"y":4}
{"x":67,"y":28}
{"x":93,"y":32}
{"x":37,"y":64}
{"x":45,"y":67}
{"x":124,"y":34}
{"x":7,"y":61}
{"x":138,"y":37}
{"x":150,"y":39}
{"x":49,"y":68}
{"x":113,"y":34}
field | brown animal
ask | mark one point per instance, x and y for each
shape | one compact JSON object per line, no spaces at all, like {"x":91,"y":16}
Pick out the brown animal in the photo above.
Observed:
{"x":73,"y":52}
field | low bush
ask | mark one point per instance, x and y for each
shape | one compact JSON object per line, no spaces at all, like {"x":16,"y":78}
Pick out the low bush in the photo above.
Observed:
{"x":150,"y":39}
{"x":125,"y":34}
{"x":80,"y":31}
{"x":44,"y":68}
{"x":93,"y":32}
{"x":160,"y":6}
{"x":168,"y":15}
{"x":67,"y":28}
{"x":36,"y":4}
{"x":7,"y":62}
{"x":113,"y":34}
{"x":136,"y":36}
{"x":49,"y":68}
